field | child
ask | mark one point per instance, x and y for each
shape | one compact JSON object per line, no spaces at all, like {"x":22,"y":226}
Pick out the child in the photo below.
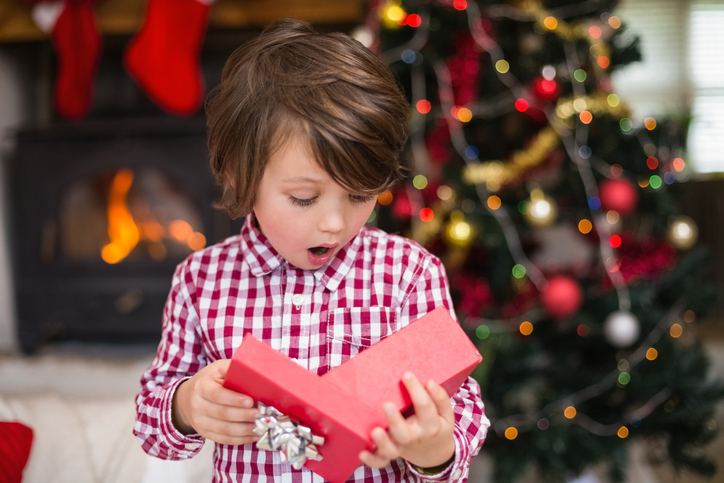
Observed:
{"x":305,"y":130}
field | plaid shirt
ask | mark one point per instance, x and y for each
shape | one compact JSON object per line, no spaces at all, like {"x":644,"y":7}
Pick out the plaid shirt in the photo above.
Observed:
{"x":372,"y":287}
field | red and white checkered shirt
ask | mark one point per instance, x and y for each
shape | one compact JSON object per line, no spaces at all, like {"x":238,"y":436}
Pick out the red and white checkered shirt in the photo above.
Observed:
{"x":372,"y":287}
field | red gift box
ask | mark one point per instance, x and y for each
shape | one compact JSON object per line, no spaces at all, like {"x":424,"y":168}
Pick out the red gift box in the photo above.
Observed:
{"x":345,"y":404}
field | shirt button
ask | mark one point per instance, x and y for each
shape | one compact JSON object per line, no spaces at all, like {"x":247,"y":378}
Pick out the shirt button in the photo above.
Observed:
{"x":191,"y":446}
{"x":457,"y":474}
{"x":298,"y":300}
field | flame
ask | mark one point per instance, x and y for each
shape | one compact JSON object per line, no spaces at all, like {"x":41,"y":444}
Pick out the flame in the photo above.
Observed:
{"x":125,"y":234}
{"x":122,"y":231}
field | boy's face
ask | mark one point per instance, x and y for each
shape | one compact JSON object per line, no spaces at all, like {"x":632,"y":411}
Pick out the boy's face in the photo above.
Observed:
{"x":306,"y":216}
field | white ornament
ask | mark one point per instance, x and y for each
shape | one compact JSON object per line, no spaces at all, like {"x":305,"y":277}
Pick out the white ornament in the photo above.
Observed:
{"x":621,"y":329}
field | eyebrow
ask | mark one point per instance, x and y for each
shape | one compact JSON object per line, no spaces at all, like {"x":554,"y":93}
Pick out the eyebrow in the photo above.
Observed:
{"x":302,"y":180}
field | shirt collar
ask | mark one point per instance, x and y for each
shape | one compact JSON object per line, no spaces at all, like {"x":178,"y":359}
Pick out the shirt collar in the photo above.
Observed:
{"x":262,"y":258}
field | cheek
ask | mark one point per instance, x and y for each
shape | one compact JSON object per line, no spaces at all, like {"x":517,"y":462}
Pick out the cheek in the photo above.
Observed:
{"x":362,"y":214}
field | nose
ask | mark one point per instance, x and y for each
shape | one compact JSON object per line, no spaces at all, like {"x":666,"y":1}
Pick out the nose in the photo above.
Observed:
{"x":332,"y":220}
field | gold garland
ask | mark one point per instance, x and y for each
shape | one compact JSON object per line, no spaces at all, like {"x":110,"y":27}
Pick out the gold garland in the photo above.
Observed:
{"x":496,"y":174}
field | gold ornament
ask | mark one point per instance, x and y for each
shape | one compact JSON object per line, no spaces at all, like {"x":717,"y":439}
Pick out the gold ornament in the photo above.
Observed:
{"x":542,"y":210}
{"x":683,"y":232}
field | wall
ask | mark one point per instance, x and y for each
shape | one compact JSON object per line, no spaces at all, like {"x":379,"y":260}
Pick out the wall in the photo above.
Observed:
{"x":12,"y":113}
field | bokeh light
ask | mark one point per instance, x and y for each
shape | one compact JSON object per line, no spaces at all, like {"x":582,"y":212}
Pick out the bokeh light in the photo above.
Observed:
{"x":423,"y":106}
{"x":550,"y":22}
{"x":585,"y":226}
{"x":502,"y":66}
{"x":385,"y":198}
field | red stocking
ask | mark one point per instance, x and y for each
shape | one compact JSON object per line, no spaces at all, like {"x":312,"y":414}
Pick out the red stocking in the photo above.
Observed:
{"x":72,"y":29}
{"x":164,"y":57}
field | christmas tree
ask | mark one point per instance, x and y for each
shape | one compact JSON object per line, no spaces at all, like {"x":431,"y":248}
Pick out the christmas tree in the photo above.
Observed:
{"x":556,"y":217}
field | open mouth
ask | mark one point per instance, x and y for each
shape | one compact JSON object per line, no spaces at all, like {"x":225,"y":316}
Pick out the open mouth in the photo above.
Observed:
{"x":318,"y":251}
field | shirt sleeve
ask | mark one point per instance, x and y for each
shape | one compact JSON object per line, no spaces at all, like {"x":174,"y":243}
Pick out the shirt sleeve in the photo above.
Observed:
{"x":430,"y":290}
{"x":180,"y":355}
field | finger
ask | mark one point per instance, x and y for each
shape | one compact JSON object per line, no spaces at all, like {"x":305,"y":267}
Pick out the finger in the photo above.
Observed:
{"x":399,"y":429}
{"x":385,"y":446}
{"x":425,"y":408}
{"x":441,"y":399}
{"x":232,"y":414}
{"x":232,"y":430}
{"x":373,"y":460}
{"x":218,"y":394}
{"x":220,"y":368}
{"x":222,"y":438}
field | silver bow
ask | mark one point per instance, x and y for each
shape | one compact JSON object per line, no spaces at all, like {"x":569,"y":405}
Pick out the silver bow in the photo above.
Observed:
{"x":295,"y":443}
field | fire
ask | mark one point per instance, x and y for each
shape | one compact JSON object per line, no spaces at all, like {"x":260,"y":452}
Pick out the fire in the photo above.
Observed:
{"x":125,"y":234}
{"x":122,"y":231}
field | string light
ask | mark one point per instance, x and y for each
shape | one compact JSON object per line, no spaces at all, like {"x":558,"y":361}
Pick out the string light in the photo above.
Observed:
{"x":464,"y":114}
{"x":511,"y":433}
{"x":419,"y":181}
{"x":585,"y":226}
{"x":650,"y":123}
{"x":594,"y":31}
{"x":482,"y":332}
{"x":385,"y":198}
{"x":675,"y":331}
{"x":494,"y":202}
{"x":550,"y":22}
{"x":526,"y":328}
{"x":502,"y":66}
{"x":679,"y":164}
{"x":622,"y":432}
{"x":652,"y":354}
{"x":423,"y":106}
{"x":569,"y":412}
{"x":444,"y":192}
{"x":426,"y":215}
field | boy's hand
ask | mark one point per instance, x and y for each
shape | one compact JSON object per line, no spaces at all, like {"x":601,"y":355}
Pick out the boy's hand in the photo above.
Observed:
{"x":424,"y":439}
{"x":203,"y":405}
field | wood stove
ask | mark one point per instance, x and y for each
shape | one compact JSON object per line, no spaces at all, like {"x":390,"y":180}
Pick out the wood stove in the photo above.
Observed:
{"x":103,"y":212}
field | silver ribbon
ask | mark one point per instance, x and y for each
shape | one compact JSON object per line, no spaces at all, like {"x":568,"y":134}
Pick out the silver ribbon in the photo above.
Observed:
{"x":295,"y":443}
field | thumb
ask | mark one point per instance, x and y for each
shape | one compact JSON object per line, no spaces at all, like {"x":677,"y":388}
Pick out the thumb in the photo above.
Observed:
{"x":442,"y":400}
{"x":221,"y":367}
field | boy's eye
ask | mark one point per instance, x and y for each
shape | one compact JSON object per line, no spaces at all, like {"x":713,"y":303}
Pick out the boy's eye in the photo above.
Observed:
{"x":361,"y":199}
{"x":300,"y":202}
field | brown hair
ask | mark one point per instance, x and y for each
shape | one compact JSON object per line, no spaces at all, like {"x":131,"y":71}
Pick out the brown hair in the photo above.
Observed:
{"x":328,"y":87}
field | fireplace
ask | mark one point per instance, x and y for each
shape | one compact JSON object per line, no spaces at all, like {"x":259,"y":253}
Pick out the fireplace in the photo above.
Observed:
{"x":103,"y":212}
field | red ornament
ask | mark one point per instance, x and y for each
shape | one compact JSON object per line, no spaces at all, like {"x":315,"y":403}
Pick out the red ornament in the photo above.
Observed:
{"x":619,"y":195}
{"x":562,"y":297}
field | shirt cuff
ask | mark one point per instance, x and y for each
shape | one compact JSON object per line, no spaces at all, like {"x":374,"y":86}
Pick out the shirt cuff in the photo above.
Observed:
{"x":186,"y":446}
{"x":457,"y":471}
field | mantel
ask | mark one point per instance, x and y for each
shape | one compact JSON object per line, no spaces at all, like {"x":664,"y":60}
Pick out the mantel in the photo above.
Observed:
{"x":124,"y":17}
